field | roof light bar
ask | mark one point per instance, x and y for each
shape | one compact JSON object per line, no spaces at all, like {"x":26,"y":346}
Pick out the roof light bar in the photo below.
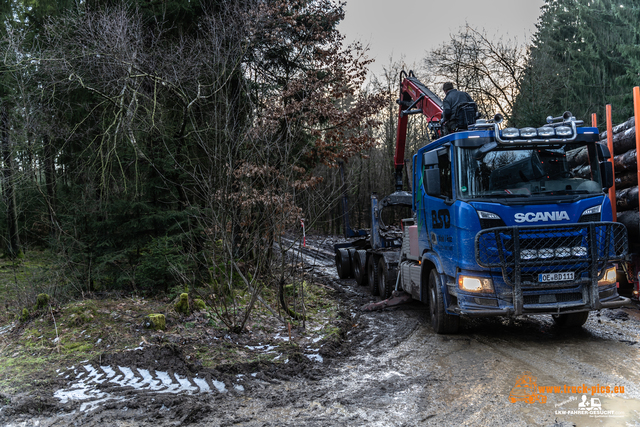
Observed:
{"x":561,"y":132}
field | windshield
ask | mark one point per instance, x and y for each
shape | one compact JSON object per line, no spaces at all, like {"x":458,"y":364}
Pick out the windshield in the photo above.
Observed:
{"x":528,"y":171}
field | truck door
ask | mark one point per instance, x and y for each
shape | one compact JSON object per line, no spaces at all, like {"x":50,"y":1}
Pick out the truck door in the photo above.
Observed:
{"x":438,"y":198}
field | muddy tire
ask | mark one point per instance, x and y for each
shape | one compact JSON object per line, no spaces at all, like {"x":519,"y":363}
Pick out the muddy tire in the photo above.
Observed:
{"x":386,"y":279}
{"x":570,"y":320}
{"x":343,"y":264}
{"x":441,"y":322}
{"x":352,"y":261}
{"x":360,"y":267}
{"x":373,"y":275}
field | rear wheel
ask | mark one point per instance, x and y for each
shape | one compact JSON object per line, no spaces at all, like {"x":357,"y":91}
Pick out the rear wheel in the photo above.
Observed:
{"x":373,"y":275}
{"x":352,"y":261}
{"x":386,"y":278}
{"x":441,"y":322}
{"x":360,"y":267}
{"x":571,"y":320}
{"x":342,"y":264}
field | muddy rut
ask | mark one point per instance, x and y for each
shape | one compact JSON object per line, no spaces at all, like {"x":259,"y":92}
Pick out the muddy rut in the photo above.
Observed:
{"x":389,"y":369}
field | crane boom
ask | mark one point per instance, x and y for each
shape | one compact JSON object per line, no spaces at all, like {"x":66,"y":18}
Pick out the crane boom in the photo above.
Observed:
{"x":415,"y":98}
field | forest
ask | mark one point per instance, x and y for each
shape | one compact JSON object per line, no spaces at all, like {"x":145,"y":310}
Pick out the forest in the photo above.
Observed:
{"x":156,"y":146}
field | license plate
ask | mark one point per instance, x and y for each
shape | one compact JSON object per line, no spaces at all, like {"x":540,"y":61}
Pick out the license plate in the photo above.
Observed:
{"x":555,"y":277}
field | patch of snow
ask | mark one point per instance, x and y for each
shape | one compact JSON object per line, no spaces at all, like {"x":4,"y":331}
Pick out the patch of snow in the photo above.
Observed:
{"x":314,"y":357}
{"x":219,"y":385}
{"x":202,"y":383}
{"x":265,"y":347}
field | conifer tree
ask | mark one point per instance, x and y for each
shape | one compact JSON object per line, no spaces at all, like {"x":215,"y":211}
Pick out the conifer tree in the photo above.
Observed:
{"x":584,"y":55}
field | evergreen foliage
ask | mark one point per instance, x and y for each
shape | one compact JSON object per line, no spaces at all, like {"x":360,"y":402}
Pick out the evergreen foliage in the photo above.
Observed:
{"x":585,"y":54}
{"x":159,"y":140}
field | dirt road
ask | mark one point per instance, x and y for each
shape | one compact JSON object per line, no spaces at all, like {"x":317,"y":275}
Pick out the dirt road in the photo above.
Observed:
{"x":390,"y":369}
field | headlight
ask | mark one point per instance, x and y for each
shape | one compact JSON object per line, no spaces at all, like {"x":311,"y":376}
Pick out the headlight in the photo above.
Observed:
{"x":579,"y":251}
{"x":487,"y":215}
{"x":528,"y":132}
{"x":475,"y":284}
{"x":563,"y":252}
{"x":546,"y":253}
{"x":593,"y":210}
{"x":609,"y":277}
{"x":529,"y":254}
{"x":563,"y":131}
{"x":546,"y":132}
{"x":510,"y":133}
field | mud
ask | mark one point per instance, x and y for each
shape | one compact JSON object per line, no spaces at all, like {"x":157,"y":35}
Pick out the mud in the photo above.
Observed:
{"x":385,"y":368}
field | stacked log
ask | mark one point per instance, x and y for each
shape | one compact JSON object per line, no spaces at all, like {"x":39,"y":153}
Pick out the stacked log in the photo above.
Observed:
{"x":624,"y":152}
{"x":626,"y":172}
{"x":625,"y":165}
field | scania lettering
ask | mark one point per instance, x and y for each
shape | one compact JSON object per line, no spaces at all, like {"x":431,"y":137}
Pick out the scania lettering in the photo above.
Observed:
{"x":542,"y":216}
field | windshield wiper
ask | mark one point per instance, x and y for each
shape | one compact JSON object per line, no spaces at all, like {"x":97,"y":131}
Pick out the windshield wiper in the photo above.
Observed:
{"x":505,"y":194}
{"x":561,"y":192}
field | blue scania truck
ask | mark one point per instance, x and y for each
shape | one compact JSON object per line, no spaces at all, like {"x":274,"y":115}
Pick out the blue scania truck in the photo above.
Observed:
{"x":506,"y":222}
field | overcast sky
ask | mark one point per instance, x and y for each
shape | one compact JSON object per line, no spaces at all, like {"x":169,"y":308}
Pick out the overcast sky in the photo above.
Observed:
{"x":409,"y":28}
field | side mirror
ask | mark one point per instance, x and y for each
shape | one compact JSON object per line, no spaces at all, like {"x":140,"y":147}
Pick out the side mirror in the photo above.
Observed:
{"x":606,"y":170}
{"x":430,"y":158}
{"x":432,"y":182}
{"x":603,"y":151}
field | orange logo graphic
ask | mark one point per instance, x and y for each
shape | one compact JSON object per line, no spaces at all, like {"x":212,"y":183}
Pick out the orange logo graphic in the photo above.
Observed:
{"x":526,"y":389}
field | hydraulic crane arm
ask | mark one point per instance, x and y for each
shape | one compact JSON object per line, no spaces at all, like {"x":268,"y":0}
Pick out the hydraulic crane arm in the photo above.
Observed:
{"x":414,"y":98}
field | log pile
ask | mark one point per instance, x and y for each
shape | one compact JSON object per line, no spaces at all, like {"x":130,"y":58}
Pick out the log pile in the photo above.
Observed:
{"x":626,"y":172}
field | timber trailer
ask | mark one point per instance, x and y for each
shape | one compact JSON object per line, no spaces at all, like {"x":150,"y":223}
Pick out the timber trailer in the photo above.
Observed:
{"x":502,"y":225}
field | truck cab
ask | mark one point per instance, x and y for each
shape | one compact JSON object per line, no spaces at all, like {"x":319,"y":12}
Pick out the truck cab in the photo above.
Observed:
{"x":512,"y":222}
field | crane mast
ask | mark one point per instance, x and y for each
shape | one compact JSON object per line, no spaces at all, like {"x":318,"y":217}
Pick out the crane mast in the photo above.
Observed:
{"x":415,"y":98}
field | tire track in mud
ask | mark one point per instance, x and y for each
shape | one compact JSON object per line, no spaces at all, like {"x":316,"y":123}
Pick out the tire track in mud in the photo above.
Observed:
{"x":93,"y":386}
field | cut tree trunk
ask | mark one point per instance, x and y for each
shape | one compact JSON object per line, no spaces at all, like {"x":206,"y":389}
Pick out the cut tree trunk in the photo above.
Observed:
{"x":624,"y":141}
{"x":625,"y":162}
{"x":624,"y":152}
{"x":626,"y":180}
{"x":631,"y":220}
{"x":627,"y":199}
{"x":619,"y":128}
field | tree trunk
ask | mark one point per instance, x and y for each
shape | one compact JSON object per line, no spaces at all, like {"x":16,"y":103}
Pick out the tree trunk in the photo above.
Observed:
{"x":13,"y":242}
{"x":625,"y":162}
{"x":50,"y":182}
{"x":624,"y":141}
{"x":631,"y":220}
{"x":619,"y":128}
{"x":626,"y":180}
{"x":627,"y":199}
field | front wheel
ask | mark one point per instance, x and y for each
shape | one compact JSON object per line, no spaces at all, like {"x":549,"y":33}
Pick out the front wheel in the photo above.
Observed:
{"x":570,"y":320}
{"x":441,"y":322}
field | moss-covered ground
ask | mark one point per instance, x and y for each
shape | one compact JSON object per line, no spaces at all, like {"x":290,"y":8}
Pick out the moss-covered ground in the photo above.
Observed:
{"x":75,"y":329}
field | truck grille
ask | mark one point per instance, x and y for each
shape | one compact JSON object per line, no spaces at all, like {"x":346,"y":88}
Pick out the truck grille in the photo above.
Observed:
{"x":486,"y":223}
{"x":524,"y":252}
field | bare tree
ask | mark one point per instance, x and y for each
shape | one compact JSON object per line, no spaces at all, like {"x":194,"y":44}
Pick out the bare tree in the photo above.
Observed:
{"x":489,"y":70}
